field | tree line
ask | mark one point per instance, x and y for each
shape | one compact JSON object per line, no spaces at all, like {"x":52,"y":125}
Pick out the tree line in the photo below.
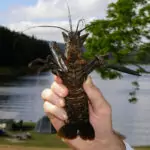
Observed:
{"x":18,"y":49}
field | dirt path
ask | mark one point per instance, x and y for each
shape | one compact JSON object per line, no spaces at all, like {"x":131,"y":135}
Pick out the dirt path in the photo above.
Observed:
{"x":9,"y":147}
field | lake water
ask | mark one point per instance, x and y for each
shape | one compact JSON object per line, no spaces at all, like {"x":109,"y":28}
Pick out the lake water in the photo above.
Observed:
{"x":23,"y":96}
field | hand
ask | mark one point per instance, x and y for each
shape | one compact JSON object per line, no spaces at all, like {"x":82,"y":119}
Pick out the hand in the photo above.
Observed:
{"x":100,"y":116}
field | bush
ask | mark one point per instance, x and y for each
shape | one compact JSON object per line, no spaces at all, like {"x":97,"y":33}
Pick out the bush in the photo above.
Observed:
{"x":23,"y":126}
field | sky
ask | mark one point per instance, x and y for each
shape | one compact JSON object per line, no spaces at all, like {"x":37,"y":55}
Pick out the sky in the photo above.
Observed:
{"x":18,"y":15}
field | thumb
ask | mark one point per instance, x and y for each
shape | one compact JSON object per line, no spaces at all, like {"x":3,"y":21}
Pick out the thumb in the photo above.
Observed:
{"x":94,"y":94}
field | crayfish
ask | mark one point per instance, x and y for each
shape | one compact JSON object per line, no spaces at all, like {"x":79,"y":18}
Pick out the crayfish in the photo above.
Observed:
{"x":73,"y":70}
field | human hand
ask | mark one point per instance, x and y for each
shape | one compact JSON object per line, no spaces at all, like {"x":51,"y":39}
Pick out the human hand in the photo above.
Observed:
{"x":100,"y":116}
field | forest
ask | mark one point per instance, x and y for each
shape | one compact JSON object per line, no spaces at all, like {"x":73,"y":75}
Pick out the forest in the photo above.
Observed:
{"x":18,"y":49}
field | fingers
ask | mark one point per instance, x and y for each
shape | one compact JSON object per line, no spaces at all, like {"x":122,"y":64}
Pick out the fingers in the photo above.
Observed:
{"x":51,"y":109}
{"x":54,"y":103}
{"x":55,"y":114}
{"x":49,"y":95}
{"x":54,"y":100}
{"x":56,"y":93}
{"x":96,"y":98}
{"x":59,"y":89}
{"x":57,"y":79}
{"x":57,"y":123}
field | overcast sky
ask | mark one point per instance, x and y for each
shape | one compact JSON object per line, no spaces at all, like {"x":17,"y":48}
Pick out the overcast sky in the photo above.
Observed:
{"x":21,"y":14}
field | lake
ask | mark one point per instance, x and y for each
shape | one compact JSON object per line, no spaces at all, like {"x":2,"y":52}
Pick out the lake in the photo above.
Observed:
{"x":23,"y":97}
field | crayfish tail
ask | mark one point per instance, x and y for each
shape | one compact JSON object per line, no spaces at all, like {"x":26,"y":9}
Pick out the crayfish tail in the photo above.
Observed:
{"x":68,"y":131}
{"x":86,"y":131}
{"x":72,"y":130}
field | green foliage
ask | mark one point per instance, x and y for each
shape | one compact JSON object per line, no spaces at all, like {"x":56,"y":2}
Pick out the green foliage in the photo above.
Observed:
{"x":136,"y":84}
{"x":105,"y":73}
{"x":133,"y":100}
{"x":23,"y":126}
{"x":124,"y":33}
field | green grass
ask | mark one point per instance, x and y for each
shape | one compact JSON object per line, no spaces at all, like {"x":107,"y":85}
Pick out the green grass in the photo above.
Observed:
{"x":142,"y":148}
{"x":48,"y":141}
{"x":38,"y":140}
{"x":29,"y":123}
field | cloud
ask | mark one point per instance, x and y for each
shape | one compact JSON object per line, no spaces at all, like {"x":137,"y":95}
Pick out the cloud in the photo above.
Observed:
{"x":54,"y":12}
{"x":52,"y":9}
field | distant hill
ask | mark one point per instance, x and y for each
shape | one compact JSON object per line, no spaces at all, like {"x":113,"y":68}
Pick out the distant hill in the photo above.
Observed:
{"x":18,"y":49}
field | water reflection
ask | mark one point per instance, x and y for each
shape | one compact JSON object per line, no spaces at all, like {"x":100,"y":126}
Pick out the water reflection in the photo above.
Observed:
{"x":24,"y":96}
{"x":133,"y":120}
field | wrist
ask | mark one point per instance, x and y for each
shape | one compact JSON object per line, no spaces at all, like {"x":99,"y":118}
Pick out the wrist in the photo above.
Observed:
{"x":117,"y":144}
{"x":113,"y":142}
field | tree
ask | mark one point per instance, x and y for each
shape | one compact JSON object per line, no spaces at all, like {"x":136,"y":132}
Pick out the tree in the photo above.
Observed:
{"x":124,"y":33}
{"x":18,"y":49}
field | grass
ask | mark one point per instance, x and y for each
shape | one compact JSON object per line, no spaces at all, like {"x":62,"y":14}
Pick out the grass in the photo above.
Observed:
{"x":38,"y":140}
{"x":42,"y":142}
{"x":142,"y":148}
{"x":4,"y":147}
{"x":29,"y":124}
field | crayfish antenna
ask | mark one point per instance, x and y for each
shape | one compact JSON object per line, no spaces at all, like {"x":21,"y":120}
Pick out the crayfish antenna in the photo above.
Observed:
{"x":69,"y":15}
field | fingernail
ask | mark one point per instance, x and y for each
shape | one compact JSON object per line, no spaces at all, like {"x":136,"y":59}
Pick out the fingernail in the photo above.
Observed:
{"x":62,"y":92}
{"x":64,"y":116}
{"x":61,"y":102}
{"x":89,"y":81}
{"x":45,"y":93}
